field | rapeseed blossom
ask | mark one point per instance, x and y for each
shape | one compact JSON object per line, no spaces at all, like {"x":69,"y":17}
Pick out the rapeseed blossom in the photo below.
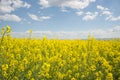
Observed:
{"x":44,"y":59}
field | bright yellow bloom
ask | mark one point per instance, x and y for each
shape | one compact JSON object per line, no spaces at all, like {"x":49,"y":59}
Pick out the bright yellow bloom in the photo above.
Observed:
{"x":73,"y":78}
{"x":28,"y":75}
{"x":93,"y":68}
{"x":4,"y":67}
{"x":109,"y":76}
{"x":30,"y":31}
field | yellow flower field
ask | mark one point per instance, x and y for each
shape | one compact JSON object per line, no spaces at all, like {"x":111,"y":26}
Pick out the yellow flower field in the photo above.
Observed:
{"x":44,"y":59}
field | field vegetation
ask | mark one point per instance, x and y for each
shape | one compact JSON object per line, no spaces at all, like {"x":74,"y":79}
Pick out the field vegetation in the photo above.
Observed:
{"x":53,"y":59}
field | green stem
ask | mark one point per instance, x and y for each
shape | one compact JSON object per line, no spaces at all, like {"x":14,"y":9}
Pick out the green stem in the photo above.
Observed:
{"x":3,"y":37}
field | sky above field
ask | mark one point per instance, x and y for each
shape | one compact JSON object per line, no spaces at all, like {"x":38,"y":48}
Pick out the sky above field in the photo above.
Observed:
{"x":66,"y":19}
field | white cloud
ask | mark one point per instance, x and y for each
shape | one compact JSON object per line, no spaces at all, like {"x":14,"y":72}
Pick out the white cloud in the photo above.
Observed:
{"x":36,"y":18}
{"x":97,"y":33}
{"x":115,"y":18}
{"x":112,"y":18}
{"x":79,"y":13}
{"x":45,"y":17}
{"x":10,"y":17}
{"x":106,"y":13}
{"x":7,"y":6}
{"x":74,"y":4}
{"x":33,"y":17}
{"x":90,"y":16}
{"x":27,"y":5}
{"x":101,"y":8}
{"x":108,"y":17}
{"x":88,"y":13}
{"x":44,"y":3}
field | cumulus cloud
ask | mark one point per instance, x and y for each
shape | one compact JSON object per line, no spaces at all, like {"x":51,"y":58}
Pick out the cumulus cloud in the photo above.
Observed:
{"x":45,"y":17}
{"x":90,"y":16}
{"x":33,"y":17}
{"x":10,"y":17}
{"x":79,"y":13}
{"x":115,"y":18}
{"x":44,"y":3}
{"x":101,"y":8}
{"x":112,"y":18}
{"x":7,"y":6}
{"x":74,"y":4}
{"x":108,"y":14}
{"x":105,"y":11}
{"x":36,"y":18}
{"x":27,"y":5}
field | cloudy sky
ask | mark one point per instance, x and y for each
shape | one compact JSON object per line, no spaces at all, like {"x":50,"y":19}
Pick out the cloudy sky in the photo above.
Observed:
{"x":67,"y":19}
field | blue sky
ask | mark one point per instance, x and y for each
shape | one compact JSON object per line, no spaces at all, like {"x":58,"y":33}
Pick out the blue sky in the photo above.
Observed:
{"x":62,"y":18}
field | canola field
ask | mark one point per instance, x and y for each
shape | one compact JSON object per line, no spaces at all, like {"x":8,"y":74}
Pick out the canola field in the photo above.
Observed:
{"x":44,"y":59}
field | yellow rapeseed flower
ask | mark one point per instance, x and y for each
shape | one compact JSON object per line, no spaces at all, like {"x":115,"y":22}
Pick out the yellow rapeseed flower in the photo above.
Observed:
{"x":4,"y":67}
{"x":109,"y":76}
{"x":30,"y":31}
